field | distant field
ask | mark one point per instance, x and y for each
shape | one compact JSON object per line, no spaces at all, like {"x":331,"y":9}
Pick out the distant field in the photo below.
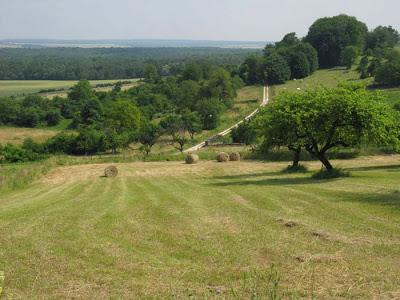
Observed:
{"x":167,"y":230}
{"x":21,"y":87}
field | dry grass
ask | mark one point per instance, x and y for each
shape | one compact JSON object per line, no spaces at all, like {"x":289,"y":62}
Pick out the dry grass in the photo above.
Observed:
{"x":170,"y":230}
{"x":16,"y":136}
{"x":21,"y":87}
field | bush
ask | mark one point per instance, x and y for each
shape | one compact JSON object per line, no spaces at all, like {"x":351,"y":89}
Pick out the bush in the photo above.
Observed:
{"x":244,"y":134}
{"x":14,"y":154}
{"x":61,"y":143}
{"x":277,"y":68}
{"x":388,"y":74}
{"x":296,"y":169}
{"x":330,"y":174}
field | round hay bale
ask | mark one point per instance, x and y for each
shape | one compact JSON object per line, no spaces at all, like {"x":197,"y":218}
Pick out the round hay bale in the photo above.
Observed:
{"x":111,"y":171}
{"x":222,"y":157}
{"x":234,"y":156}
{"x":192,"y":159}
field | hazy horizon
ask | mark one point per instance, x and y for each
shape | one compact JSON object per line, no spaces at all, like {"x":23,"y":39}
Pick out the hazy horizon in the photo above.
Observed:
{"x":224,"y":20}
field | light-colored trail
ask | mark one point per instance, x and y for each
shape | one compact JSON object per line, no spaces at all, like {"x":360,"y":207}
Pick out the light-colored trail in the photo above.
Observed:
{"x":203,"y":144}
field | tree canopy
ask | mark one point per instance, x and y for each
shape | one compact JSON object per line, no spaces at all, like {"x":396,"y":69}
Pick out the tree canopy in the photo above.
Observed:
{"x":321,"y":119}
{"x":330,"y":36}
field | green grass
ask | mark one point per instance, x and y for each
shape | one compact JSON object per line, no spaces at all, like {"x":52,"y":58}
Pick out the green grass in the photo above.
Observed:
{"x":227,"y":231}
{"x":392,"y":96}
{"x":326,"y":77}
{"x":23,"y":87}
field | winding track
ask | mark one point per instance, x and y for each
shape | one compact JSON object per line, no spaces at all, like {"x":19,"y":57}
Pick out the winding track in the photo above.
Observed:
{"x":264,"y":102}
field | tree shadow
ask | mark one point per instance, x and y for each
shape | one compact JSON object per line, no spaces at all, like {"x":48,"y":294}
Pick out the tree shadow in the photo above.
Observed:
{"x":273,"y":181}
{"x":390,"y":200}
{"x":248,"y":175}
{"x":391,"y":168}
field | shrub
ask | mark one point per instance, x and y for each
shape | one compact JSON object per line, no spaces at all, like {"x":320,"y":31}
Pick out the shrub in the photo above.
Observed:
{"x":296,"y":169}
{"x":244,"y":134}
{"x":13,"y":154}
{"x":324,"y":174}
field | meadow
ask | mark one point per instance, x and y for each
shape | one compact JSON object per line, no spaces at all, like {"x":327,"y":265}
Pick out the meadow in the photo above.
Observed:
{"x":24,"y":87}
{"x":167,"y":230}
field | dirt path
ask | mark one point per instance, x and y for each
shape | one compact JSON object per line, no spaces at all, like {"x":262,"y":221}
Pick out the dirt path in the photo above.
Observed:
{"x":264,"y":102}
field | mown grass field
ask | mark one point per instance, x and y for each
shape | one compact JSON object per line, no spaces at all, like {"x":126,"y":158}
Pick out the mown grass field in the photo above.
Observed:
{"x":209,"y":231}
{"x":23,"y":87}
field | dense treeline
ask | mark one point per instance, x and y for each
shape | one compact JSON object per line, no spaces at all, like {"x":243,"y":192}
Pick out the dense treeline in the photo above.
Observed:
{"x":106,"y":63}
{"x":288,"y":59}
{"x":330,"y":42}
{"x":178,"y":106}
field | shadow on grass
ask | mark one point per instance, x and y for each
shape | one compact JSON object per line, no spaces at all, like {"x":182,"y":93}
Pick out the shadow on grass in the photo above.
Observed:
{"x":391,"y":168}
{"x":390,"y":200}
{"x":271,"y":181}
{"x":249,"y":175}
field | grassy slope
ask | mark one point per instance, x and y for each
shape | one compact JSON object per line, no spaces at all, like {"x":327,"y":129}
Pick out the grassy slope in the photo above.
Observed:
{"x":19,"y":87}
{"x":327,"y":77}
{"x":331,"y":78}
{"x":170,"y":230}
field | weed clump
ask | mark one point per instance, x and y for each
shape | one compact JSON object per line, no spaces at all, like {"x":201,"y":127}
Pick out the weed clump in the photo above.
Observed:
{"x":296,"y":169}
{"x":222,"y":157}
{"x":330,"y":174}
{"x":192,"y":159}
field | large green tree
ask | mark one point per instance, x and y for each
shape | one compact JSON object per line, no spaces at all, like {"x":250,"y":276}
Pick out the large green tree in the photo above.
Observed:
{"x":383,"y":37}
{"x":321,"y":119}
{"x":122,"y":122}
{"x":277,"y":69}
{"x":330,"y":36}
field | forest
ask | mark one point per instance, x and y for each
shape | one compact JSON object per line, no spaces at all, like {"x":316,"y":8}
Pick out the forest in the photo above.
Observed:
{"x":106,"y":63}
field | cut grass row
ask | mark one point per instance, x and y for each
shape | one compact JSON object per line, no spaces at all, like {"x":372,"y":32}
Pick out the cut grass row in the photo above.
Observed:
{"x":169,"y":230}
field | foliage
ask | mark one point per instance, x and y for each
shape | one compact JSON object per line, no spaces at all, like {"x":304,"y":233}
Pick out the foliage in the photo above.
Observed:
{"x":321,"y":119}
{"x":151,"y":74}
{"x":277,"y":69}
{"x":363,"y":67}
{"x":175,"y":126}
{"x":383,"y":37}
{"x":148,"y":137}
{"x":349,"y":56}
{"x":252,"y":70}
{"x":388,"y":73}
{"x":245,"y":133}
{"x":300,"y":67}
{"x":330,"y":36}
{"x":15,"y":154}
{"x":107,"y":63}
{"x":330,"y":174}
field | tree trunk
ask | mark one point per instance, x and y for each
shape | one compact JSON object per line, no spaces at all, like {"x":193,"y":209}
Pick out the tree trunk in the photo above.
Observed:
{"x":325,"y":162}
{"x":296,"y":157}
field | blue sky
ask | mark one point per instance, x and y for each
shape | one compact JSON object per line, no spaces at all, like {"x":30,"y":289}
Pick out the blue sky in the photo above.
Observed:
{"x":181,"y":19}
